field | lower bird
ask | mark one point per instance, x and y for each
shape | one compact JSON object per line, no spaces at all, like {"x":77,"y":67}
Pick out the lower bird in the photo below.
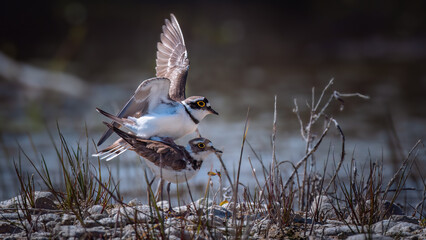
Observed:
{"x":167,"y":160}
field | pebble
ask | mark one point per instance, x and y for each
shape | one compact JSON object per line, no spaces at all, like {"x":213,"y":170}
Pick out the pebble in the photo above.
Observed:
{"x":179,"y":233}
{"x":6,"y":227}
{"x":97,"y":232}
{"x":220,"y":212}
{"x":363,"y":236}
{"x":135,"y":202}
{"x":109,"y":222}
{"x":70,"y":231}
{"x":44,"y":200}
{"x":9,"y":216}
{"x":117,"y":222}
{"x":51,"y":225}
{"x":97,"y":216}
{"x":96,"y":209}
{"x":402,"y":229}
{"x":68,"y":219}
{"x":88,"y":223}
{"x":49,"y":217}
{"x":342,"y":230}
{"x":323,"y":206}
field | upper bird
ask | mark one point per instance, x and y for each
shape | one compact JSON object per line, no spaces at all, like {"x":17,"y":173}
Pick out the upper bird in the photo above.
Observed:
{"x":159,"y":108}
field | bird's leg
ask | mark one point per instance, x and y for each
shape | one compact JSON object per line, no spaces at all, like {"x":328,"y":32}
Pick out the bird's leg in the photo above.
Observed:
{"x":159,"y":192}
{"x":168,"y":195}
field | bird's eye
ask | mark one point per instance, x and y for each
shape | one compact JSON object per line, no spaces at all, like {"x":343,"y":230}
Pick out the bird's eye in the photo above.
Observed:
{"x":201,"y":145}
{"x":201,"y":103}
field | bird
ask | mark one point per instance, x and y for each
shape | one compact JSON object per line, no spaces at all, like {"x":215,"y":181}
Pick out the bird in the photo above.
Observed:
{"x":166,"y":159}
{"x":159,"y":107}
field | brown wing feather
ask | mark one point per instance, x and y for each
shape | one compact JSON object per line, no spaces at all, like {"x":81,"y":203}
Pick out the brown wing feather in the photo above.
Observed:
{"x":167,"y":155}
{"x":138,"y":104}
{"x":172,"y":58}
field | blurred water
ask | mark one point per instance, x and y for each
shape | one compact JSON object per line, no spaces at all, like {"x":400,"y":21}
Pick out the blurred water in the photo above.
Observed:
{"x":240,"y":57}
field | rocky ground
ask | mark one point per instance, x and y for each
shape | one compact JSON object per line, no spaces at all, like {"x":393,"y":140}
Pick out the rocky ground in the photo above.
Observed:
{"x":201,"y":220}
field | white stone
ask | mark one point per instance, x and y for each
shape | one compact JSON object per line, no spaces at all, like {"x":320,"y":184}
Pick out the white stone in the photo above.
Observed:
{"x":96,"y":209}
{"x":365,"y":236}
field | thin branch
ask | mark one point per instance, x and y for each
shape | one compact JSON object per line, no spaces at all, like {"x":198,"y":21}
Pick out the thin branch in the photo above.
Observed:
{"x":298,"y":164}
{"x":296,"y":111}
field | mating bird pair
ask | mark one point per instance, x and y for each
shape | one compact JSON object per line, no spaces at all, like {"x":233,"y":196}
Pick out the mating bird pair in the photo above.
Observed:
{"x":159,"y":113}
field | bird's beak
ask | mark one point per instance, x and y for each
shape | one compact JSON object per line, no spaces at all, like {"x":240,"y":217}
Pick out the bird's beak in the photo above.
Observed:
{"x":211,"y":110}
{"x":217,"y":151}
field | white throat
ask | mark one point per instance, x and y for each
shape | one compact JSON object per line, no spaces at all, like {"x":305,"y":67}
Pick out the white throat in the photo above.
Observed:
{"x":198,"y":114}
{"x":199,"y":156}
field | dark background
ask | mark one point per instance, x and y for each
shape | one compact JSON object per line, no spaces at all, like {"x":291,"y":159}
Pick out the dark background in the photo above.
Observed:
{"x":241,"y":54}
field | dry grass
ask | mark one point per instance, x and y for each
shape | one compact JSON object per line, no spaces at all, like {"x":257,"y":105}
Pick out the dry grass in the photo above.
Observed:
{"x":279,"y":196}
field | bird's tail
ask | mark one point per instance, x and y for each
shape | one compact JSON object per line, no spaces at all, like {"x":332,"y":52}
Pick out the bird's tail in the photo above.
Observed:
{"x":114,"y":150}
{"x":122,"y":121}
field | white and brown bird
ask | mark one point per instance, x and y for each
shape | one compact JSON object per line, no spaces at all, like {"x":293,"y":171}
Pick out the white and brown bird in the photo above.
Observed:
{"x":159,"y":107}
{"x":167,"y":160}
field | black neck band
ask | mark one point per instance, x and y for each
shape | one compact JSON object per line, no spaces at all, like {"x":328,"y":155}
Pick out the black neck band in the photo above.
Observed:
{"x":190,"y":115}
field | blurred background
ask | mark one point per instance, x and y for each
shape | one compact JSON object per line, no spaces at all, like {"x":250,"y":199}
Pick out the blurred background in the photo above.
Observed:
{"x":61,"y":59}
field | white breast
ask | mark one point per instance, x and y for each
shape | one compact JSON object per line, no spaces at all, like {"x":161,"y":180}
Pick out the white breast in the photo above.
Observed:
{"x":170,"y":175}
{"x":164,"y":121}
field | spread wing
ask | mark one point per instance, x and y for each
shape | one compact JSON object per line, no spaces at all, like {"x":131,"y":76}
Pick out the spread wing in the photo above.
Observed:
{"x":148,"y":95}
{"x":172,"y":58}
{"x":164,"y":154}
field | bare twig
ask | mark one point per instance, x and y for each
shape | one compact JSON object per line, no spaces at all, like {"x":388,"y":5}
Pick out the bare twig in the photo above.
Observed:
{"x":342,"y":154}
{"x":301,"y":161}
{"x":235,"y":197}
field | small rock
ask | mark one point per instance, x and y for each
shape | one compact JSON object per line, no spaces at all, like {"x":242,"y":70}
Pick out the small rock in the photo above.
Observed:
{"x":339,"y":230}
{"x":88,"y":223}
{"x":9,"y":216}
{"x":49,"y":217}
{"x":44,"y":200}
{"x":383,"y":226}
{"x":129,"y":232}
{"x":131,"y":214}
{"x":97,"y":232}
{"x":179,"y":233}
{"x":68,"y":219}
{"x":298,"y":218}
{"x":41,"y":235}
{"x":6,"y":227}
{"x":403,"y":218}
{"x":68,"y":231}
{"x":322,"y":206}
{"x":180,"y":209}
{"x":385,"y":207}
{"x":164,"y":205}
{"x":391,"y":209}
{"x":33,"y":225}
{"x":144,"y":209}
{"x":202,"y":203}
{"x":220,"y":212}
{"x":109,"y":222}
{"x":364,"y":236}
{"x":192,"y":218}
{"x":402,"y":229}
{"x":97,"y":216}
{"x":135,"y":202}
{"x":51,"y":225}
{"x":11,"y":203}
{"x":275,"y":232}
{"x":96,"y":209}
